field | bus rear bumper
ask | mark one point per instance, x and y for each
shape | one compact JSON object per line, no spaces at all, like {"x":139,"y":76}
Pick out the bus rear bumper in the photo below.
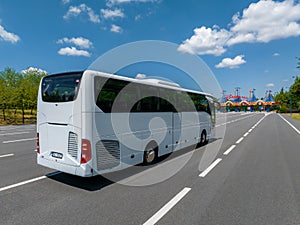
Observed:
{"x":83,"y":170}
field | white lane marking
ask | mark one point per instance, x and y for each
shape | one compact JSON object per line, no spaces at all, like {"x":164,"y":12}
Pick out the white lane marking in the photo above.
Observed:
{"x":240,"y":140}
{"x":15,"y":133}
{"x":250,"y":130}
{"x":7,"y":155}
{"x":229,"y":150}
{"x":290,"y":124}
{"x":246,"y":134}
{"x":232,"y":121}
{"x":208,"y":169}
{"x":28,"y":181}
{"x":22,"y":183}
{"x":20,"y":140}
{"x":164,"y":210}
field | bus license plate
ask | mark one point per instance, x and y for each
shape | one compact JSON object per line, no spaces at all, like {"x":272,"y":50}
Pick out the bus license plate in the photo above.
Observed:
{"x":57,"y":155}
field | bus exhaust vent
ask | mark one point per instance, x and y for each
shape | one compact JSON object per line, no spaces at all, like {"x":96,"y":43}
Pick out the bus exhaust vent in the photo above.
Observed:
{"x":108,"y":154}
{"x":73,"y":145}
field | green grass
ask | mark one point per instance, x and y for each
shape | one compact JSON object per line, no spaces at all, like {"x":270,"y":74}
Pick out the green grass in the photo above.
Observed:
{"x":14,"y":117}
{"x":296,"y":116}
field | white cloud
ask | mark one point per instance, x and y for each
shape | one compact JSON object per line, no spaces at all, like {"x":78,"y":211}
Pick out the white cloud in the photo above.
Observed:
{"x":276,"y":54}
{"x":110,"y":3}
{"x":231,"y":63}
{"x":137,"y":17}
{"x":116,"y":29}
{"x":65,"y":1}
{"x":75,"y":11}
{"x":73,"y":52}
{"x":34,"y":70}
{"x":206,"y":41}
{"x":263,"y":21}
{"x":79,"y":41}
{"x":140,"y":76}
{"x":270,"y":85}
{"x":111,"y":14}
{"x":7,"y":36}
{"x":267,"y":20}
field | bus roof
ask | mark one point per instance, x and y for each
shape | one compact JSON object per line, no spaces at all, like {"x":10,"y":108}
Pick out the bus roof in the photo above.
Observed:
{"x":147,"y":81}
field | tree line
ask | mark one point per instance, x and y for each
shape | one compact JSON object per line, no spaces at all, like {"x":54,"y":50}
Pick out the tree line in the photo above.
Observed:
{"x":18,"y":94}
{"x":290,"y":99}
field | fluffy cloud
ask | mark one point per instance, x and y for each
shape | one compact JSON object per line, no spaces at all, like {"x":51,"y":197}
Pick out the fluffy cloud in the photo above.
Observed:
{"x":270,"y":85}
{"x":34,"y":70}
{"x":115,"y":2}
{"x":231,"y":63}
{"x":73,"y":52}
{"x":7,"y":36}
{"x":140,"y":76}
{"x":116,"y":29}
{"x":110,"y":14}
{"x":79,"y":41}
{"x":206,"y":41}
{"x":75,"y":11}
{"x":276,"y":54}
{"x":263,"y":21}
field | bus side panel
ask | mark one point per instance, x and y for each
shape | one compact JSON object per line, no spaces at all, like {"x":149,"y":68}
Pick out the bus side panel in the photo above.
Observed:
{"x":190,"y":131}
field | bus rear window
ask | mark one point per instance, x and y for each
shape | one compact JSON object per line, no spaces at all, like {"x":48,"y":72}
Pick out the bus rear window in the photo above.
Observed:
{"x":61,"y":88}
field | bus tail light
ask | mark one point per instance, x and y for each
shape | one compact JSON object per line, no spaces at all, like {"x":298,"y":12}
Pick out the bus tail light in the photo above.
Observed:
{"x":38,"y":143}
{"x":86,"y":152}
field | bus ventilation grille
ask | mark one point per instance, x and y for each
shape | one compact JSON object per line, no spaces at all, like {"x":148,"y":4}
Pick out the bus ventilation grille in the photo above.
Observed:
{"x":108,"y":154}
{"x":73,"y":145}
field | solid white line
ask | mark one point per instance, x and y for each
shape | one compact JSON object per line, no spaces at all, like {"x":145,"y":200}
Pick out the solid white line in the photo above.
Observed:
{"x":164,"y":210}
{"x":208,"y":169}
{"x":250,"y":130}
{"x":15,"y":133}
{"x":229,"y":150}
{"x":290,"y":124}
{"x":22,"y":183}
{"x":28,"y":139}
{"x":246,"y":134}
{"x":239,"y":141}
{"x":7,"y":155}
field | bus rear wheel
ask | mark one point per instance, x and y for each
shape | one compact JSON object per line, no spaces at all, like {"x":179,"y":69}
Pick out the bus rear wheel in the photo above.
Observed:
{"x":203,"y":139}
{"x":150,"y":154}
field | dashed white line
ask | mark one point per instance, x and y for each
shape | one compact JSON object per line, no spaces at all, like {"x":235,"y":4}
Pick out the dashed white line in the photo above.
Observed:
{"x":15,"y":133}
{"x":208,"y":169}
{"x":229,"y":150}
{"x":290,"y":124}
{"x":246,"y":134}
{"x":7,"y":155}
{"x":240,"y":140}
{"x":22,"y":183}
{"x":20,"y":140}
{"x":27,"y":181}
{"x":164,"y":210}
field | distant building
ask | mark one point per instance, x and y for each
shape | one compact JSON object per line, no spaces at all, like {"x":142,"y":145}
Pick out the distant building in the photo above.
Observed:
{"x":237,"y":102}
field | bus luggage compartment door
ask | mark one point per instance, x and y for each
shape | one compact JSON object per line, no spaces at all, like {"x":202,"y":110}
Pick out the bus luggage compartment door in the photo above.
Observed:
{"x":60,"y":143}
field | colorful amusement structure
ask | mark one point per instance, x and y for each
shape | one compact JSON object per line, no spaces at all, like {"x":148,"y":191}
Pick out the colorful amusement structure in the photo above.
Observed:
{"x":237,"y":102}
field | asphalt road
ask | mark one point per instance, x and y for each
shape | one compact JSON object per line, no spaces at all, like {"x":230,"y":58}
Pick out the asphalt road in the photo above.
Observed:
{"x":253,"y":179}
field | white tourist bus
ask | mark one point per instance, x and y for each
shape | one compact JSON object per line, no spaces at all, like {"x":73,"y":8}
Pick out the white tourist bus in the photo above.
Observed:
{"x":91,"y":123}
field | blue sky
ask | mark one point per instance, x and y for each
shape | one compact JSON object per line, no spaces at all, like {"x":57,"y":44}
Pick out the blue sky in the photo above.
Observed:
{"x":247,"y":44}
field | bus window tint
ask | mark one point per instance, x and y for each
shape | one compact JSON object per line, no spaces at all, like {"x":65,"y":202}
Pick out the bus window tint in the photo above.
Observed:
{"x":108,"y":93}
{"x":60,"y":88}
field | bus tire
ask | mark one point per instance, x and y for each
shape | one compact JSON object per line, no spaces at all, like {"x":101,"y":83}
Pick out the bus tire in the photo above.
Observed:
{"x":203,"y":138}
{"x":150,"y":153}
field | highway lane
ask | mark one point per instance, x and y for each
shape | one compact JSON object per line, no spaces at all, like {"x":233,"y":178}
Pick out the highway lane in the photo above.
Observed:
{"x":65,"y":199}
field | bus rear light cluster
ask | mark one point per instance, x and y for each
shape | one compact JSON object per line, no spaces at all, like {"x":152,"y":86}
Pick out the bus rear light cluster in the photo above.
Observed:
{"x":38,"y":143}
{"x":86,"y":153}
